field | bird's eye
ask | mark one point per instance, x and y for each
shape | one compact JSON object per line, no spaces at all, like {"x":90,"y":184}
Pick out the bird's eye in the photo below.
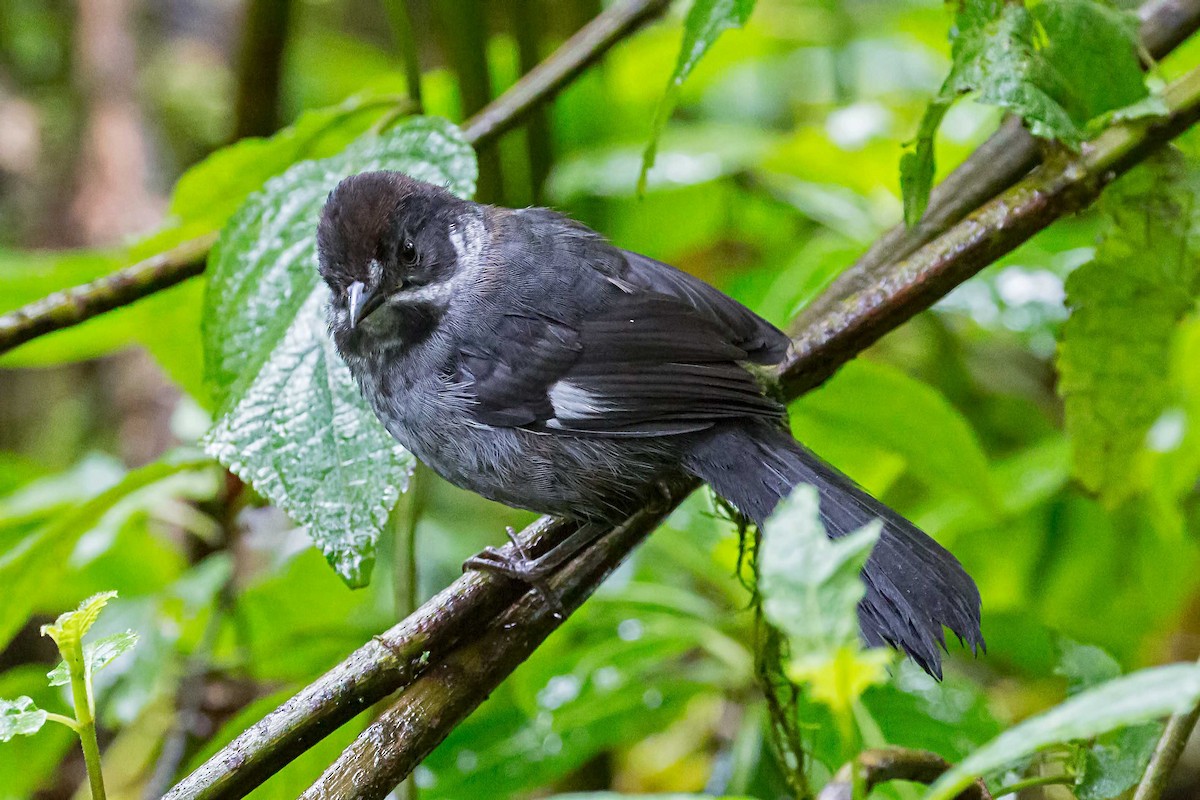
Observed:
{"x":408,"y":253}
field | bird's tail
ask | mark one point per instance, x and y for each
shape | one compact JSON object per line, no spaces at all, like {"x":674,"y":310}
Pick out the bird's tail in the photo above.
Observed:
{"x":914,"y":585}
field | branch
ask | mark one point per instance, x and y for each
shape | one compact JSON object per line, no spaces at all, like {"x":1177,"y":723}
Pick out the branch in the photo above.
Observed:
{"x":1166,"y":755}
{"x":73,"y":306}
{"x":1001,"y":161}
{"x":79,"y":304}
{"x":873,"y":767}
{"x":447,"y":690}
{"x":418,"y":653}
{"x":568,"y":61}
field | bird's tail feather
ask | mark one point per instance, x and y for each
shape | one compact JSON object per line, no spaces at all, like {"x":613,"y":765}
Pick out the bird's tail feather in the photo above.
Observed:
{"x":914,"y":585}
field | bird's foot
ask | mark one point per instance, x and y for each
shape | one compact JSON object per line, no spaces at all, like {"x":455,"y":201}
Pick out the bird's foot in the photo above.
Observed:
{"x":519,"y":567}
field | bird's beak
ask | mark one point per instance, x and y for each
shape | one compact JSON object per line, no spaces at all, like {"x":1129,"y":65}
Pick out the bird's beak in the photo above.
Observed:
{"x":359,"y":299}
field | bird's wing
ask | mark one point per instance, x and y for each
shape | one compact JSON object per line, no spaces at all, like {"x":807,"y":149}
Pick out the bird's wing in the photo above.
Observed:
{"x":646,"y":350}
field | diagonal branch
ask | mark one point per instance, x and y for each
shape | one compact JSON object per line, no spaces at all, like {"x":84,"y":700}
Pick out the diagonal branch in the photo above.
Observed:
{"x":79,"y":304}
{"x":1006,"y":157}
{"x":450,"y":689}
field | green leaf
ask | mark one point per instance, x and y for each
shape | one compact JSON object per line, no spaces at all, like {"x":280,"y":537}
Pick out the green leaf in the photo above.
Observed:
{"x":620,"y":796}
{"x":96,"y":655}
{"x":67,"y":631}
{"x":1126,"y":304}
{"x":1117,"y":761}
{"x":705,"y":23}
{"x":1060,"y":65}
{"x":214,"y":189}
{"x":1132,"y":700}
{"x":810,"y":587}
{"x":34,"y":564}
{"x":293,"y":423}
{"x":20,"y":717}
{"x":1084,"y":665}
{"x":881,"y":405}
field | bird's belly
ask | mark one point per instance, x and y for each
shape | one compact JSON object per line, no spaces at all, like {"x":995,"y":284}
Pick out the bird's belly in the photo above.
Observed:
{"x":548,"y":473}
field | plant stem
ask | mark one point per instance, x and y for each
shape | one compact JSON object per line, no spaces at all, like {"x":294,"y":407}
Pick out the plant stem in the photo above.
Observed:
{"x":406,"y":44}
{"x":85,"y":715}
{"x":882,"y":765}
{"x":61,"y":720}
{"x":1037,"y":780}
{"x":1166,"y":755}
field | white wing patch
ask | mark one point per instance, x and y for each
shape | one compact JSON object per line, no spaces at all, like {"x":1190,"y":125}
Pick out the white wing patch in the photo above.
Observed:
{"x":573,"y":402}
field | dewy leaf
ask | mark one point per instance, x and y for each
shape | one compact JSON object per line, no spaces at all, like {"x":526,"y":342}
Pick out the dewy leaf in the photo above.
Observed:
{"x":69,"y":628}
{"x":20,"y":717}
{"x":1060,"y":65}
{"x":705,"y":23}
{"x":292,"y":422}
{"x":811,"y":587}
{"x":1132,"y":700}
{"x":96,"y":655}
{"x":1126,"y":304}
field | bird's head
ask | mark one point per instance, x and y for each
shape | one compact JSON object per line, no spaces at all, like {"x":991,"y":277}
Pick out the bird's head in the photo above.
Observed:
{"x":389,"y":248}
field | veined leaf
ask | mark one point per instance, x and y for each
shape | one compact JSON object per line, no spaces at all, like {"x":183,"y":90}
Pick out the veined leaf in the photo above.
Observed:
{"x":96,"y":655}
{"x":20,"y":717}
{"x":1060,"y":65}
{"x":1114,"y":360}
{"x":68,"y":630}
{"x":811,"y":587}
{"x":292,"y":421}
{"x":1132,"y":700}
{"x":705,"y":23}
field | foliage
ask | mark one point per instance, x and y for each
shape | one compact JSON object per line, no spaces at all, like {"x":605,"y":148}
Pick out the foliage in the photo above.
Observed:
{"x":1059,"y":65}
{"x":778,"y":168}
{"x":1127,"y":305}
{"x":21,"y":717}
{"x":293,"y":423}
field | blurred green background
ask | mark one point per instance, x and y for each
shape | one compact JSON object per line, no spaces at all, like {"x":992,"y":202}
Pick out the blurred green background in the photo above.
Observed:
{"x":778,"y":168}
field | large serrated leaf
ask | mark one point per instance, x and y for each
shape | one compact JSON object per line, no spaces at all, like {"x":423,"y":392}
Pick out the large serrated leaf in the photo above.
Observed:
{"x":1060,"y":65}
{"x":1132,"y":700}
{"x":1126,"y":304}
{"x":292,"y":421}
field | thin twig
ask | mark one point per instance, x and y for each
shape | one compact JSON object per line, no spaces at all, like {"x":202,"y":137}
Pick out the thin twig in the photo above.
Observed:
{"x":1166,"y":755}
{"x":79,"y":304}
{"x":875,"y":767}
{"x":121,"y":288}
{"x":571,"y":58}
{"x":406,"y":44}
{"x":449,"y":689}
{"x":260,"y":67}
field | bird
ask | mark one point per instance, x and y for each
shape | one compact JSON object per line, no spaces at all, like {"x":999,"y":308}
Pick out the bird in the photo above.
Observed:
{"x":524,"y":357}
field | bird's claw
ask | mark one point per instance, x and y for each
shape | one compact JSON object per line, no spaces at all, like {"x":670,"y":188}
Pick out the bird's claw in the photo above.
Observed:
{"x":518,"y":568}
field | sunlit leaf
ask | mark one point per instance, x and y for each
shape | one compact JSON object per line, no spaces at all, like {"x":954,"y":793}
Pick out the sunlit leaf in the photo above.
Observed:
{"x":1115,"y":356}
{"x":67,"y":631}
{"x":705,"y":23}
{"x":1057,"y":64}
{"x":1131,"y":700}
{"x":33,"y":564}
{"x":811,"y":586}
{"x":292,"y":421}
{"x":880,"y":404}
{"x":20,"y":717}
{"x":96,"y":655}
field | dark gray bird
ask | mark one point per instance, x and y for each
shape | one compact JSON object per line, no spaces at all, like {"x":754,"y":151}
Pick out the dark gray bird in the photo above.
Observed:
{"x":523,"y":357}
